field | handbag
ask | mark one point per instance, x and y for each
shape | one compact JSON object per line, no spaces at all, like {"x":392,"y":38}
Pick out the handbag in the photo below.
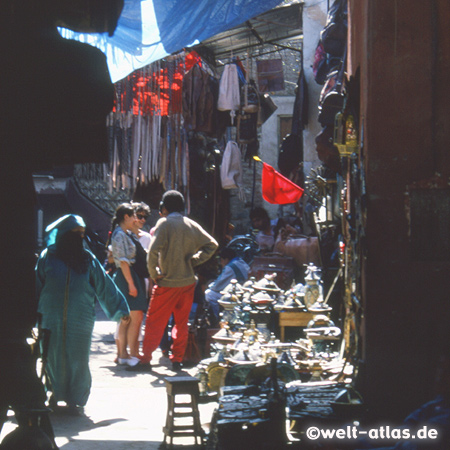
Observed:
{"x":332,"y":97}
{"x":267,"y":108}
{"x":323,"y":64}
{"x":334,"y":34}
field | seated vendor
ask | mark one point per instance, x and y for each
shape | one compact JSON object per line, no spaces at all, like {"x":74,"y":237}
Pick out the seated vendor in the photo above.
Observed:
{"x":265,"y":237}
{"x":233,"y":267}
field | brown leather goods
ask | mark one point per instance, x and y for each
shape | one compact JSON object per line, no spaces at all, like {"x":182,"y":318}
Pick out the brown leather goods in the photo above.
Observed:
{"x":327,"y":152}
{"x":192,"y":355}
{"x":303,"y":249}
{"x":267,"y":108}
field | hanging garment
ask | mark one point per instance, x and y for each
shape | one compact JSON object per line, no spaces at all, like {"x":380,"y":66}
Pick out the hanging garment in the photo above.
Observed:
{"x":192,"y":86}
{"x":300,"y":112}
{"x":231,"y":168}
{"x":229,"y":96}
{"x":198,"y":101}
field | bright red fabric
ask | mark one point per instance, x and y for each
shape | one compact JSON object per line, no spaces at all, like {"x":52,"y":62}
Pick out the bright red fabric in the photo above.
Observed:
{"x":166,"y":301}
{"x":150,"y":92}
{"x":278,"y":189}
{"x":191,"y":59}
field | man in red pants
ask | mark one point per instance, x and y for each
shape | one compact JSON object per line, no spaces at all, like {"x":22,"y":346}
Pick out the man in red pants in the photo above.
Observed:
{"x":179,"y":245}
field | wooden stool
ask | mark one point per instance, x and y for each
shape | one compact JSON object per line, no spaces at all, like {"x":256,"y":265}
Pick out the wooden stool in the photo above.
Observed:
{"x":182,"y":385}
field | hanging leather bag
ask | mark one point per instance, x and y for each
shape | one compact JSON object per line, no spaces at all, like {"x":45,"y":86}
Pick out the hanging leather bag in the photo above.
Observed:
{"x":334,"y":34}
{"x":332,"y":96}
{"x":267,"y":108}
{"x":323,"y":64}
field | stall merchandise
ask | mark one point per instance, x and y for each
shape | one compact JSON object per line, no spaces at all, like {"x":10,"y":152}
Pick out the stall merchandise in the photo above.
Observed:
{"x":270,"y":413}
{"x":253,"y":320}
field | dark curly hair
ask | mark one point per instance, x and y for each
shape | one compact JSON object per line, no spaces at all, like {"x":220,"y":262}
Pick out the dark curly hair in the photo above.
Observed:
{"x":173,"y":201}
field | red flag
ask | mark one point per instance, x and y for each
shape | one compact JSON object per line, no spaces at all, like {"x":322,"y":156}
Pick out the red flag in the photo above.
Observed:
{"x":278,"y":189}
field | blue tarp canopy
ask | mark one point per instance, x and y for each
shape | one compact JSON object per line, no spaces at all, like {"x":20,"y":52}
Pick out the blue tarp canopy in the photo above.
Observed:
{"x":149,"y":30}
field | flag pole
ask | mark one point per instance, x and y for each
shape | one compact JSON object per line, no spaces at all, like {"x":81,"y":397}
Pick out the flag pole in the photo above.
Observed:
{"x":255,"y":158}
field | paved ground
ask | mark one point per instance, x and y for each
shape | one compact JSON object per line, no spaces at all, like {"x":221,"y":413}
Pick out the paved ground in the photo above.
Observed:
{"x":126,"y":410}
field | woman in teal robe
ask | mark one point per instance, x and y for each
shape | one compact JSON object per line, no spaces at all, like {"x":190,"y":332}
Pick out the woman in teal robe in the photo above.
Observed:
{"x":69,"y":279}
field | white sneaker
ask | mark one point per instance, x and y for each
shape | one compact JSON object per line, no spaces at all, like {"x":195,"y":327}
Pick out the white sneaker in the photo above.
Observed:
{"x":123,"y":361}
{"x":133,"y":361}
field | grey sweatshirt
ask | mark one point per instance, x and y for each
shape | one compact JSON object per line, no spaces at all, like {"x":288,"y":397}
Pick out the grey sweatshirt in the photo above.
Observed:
{"x":178,"y":245}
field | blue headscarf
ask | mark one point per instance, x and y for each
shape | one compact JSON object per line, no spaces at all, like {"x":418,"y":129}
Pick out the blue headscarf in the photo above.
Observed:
{"x":61,"y":226}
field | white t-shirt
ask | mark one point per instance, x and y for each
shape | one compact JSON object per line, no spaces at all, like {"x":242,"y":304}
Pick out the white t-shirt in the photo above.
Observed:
{"x":144,"y":239}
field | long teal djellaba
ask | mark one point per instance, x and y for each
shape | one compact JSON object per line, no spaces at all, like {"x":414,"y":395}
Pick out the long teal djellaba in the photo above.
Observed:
{"x":69,"y":279}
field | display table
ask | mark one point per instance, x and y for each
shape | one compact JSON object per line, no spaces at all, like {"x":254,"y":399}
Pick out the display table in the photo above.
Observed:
{"x":293,"y":319}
